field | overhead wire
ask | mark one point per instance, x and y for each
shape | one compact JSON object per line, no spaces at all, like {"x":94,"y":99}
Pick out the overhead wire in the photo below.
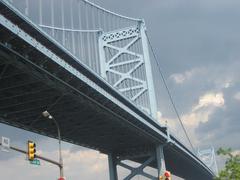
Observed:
{"x":168,"y":91}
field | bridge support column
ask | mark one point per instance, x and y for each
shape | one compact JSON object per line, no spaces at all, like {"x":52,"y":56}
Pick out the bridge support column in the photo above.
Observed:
{"x":161,"y":167}
{"x":112,"y":164}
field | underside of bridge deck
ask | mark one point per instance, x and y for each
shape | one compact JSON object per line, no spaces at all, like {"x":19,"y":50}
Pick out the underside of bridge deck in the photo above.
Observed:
{"x":26,"y":90}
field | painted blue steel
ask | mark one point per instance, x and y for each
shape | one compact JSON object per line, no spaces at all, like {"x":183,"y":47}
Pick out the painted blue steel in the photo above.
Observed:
{"x":75,"y":25}
{"x":84,"y":73}
{"x":87,"y":75}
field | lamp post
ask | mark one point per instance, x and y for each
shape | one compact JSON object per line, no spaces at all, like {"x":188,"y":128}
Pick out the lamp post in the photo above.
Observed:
{"x":46,"y":114}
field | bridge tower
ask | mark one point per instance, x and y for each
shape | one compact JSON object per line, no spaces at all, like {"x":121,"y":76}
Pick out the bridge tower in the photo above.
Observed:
{"x":208,"y":157}
{"x":125,"y":64}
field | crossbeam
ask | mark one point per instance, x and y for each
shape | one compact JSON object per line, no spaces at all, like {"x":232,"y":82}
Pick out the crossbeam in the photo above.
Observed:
{"x":138,"y":170}
{"x":157,"y":156}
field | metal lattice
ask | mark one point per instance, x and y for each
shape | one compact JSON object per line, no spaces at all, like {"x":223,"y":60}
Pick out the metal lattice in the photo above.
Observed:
{"x":123,"y":65}
{"x":208,"y":157}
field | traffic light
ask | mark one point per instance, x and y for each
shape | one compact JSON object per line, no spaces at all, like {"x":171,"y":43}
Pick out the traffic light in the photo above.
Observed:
{"x":31,"y":150}
{"x":167,"y":175}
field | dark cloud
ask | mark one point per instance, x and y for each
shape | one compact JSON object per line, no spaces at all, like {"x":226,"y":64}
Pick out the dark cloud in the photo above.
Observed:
{"x":223,"y":125}
{"x":190,"y":35}
{"x":187,"y":33}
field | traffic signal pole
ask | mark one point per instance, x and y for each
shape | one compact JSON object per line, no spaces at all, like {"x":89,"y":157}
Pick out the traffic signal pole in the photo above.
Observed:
{"x":37,"y":156}
{"x":47,"y":115}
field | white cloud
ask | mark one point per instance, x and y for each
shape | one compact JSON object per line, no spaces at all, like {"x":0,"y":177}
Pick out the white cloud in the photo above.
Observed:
{"x":210,"y":99}
{"x":180,"y":78}
{"x":199,"y":113}
{"x":91,"y":158}
{"x":192,"y":119}
{"x":87,"y":164}
{"x":19,"y":168}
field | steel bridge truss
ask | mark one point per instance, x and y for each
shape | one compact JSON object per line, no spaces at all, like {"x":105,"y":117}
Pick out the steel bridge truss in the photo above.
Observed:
{"x":54,"y":60}
{"x":126,"y":65}
{"x":208,"y":157}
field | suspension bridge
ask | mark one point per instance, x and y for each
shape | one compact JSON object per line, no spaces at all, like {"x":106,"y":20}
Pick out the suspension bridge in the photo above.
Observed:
{"x":92,"y":69}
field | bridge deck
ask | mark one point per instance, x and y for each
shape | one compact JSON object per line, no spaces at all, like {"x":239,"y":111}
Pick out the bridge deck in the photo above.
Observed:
{"x":31,"y":82}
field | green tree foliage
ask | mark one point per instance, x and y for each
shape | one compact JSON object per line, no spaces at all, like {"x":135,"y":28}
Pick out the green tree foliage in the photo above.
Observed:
{"x":231,"y":170}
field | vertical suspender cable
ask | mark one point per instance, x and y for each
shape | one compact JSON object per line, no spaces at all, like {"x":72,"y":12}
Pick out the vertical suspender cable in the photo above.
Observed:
{"x":40,"y":12}
{"x":72,"y":26}
{"x":93,"y":39}
{"x":87,"y":33}
{"x":27,"y":8}
{"x":97,"y":40}
{"x":63,"y":23}
{"x":52,"y":17}
{"x":80,"y":39}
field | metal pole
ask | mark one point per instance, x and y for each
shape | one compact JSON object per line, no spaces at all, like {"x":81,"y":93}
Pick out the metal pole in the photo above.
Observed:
{"x":112,"y":167}
{"x":60,"y":147}
{"x":37,"y":156}
{"x":49,"y":116}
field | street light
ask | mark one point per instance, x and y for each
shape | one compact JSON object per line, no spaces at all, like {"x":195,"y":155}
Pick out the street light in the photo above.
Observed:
{"x":46,"y":114}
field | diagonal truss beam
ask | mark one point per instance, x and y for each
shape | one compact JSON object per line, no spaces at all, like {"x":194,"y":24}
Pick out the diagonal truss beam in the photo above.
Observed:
{"x":138,"y":170}
{"x":129,"y":64}
{"x":138,"y":60}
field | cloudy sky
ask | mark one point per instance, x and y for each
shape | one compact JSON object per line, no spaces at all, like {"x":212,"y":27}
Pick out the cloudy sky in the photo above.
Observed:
{"x":198,"y":47}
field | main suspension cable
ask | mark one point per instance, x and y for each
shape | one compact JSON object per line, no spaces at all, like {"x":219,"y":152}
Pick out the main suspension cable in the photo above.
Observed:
{"x":169,"y":93}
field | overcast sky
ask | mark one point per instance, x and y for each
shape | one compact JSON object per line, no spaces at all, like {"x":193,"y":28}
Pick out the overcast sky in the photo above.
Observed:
{"x":198,"y":46}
